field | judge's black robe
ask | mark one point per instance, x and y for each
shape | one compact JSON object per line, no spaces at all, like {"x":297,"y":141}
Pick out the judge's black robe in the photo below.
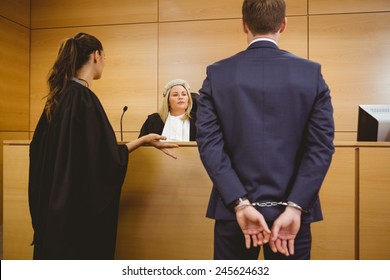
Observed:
{"x":76,"y":173}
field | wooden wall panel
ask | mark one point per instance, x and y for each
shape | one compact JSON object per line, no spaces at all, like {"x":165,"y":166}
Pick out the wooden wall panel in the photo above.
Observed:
{"x":374,"y":199}
{"x":63,"y":13}
{"x":355,"y":58}
{"x":178,"y":10}
{"x":7,"y":136}
{"x":296,"y":7}
{"x":17,"y":229}
{"x":16,"y":10}
{"x":186,"y":48}
{"x":347,"y":6}
{"x":127,"y":136}
{"x":335,"y":237}
{"x":129,"y":78}
{"x":294,"y":38}
{"x":345,"y":136}
{"x":14,"y":73}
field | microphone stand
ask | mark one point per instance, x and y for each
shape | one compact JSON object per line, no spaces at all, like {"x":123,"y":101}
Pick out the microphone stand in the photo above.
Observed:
{"x":124,"y":110}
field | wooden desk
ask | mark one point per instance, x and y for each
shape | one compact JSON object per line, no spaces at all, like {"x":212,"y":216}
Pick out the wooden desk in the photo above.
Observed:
{"x":163,"y":205}
{"x":374,"y":196}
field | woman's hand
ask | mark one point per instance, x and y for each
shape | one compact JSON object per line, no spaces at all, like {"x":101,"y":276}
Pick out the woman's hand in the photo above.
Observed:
{"x":155,"y":141}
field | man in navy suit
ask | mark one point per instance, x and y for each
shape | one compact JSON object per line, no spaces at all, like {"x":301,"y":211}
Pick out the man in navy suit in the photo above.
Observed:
{"x":265,"y":135}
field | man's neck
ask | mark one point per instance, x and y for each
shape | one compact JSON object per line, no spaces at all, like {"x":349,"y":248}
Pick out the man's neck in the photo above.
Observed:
{"x":275,"y":37}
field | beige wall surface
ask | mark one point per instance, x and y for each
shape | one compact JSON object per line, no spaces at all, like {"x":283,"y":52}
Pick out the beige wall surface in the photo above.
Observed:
{"x":129,"y":77}
{"x":347,"y":6}
{"x":16,"y":10}
{"x":65,"y":13}
{"x":152,"y":42}
{"x":14,"y":72}
{"x":179,"y":10}
{"x":354,"y":52}
{"x":14,"y":75}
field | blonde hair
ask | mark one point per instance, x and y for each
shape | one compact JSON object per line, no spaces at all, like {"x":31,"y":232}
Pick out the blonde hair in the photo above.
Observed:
{"x":164,"y":108}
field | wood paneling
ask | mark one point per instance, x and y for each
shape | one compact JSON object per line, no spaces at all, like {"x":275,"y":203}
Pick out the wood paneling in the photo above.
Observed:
{"x":294,"y":38}
{"x":129,"y":78}
{"x":296,"y":7}
{"x":186,"y":48}
{"x":335,"y":237}
{"x":14,"y":73}
{"x":163,"y":205}
{"x":345,"y":136}
{"x":353,"y":51}
{"x":178,"y":10}
{"x":127,"y":136}
{"x":374,"y":199}
{"x":347,"y":6}
{"x":64,"y":13}
{"x":7,"y":136}
{"x":16,"y":10}
{"x":17,"y":229}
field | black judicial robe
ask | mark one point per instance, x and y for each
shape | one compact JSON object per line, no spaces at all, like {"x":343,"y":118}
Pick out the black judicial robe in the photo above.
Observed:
{"x":76,"y":173}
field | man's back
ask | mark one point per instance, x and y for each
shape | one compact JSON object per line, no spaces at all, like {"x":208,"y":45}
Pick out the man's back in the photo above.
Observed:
{"x":263,"y":99}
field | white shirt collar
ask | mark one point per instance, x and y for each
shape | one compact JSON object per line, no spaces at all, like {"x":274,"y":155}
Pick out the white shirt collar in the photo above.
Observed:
{"x":175,"y":129}
{"x":263,"y":39}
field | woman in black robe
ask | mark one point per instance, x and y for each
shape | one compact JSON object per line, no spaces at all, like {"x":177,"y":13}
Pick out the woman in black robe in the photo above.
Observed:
{"x":156,"y":122}
{"x":77,"y":167}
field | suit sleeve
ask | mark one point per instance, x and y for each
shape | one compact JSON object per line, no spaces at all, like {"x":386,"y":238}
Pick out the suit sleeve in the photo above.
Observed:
{"x":317,"y":151}
{"x":211,"y":147}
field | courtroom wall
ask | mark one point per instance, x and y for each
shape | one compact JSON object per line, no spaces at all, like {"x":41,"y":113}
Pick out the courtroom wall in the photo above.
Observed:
{"x":150,"y":42}
{"x":14,"y":75}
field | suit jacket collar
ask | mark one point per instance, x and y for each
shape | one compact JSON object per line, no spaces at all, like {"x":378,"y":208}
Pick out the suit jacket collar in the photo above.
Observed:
{"x":262,"y":44}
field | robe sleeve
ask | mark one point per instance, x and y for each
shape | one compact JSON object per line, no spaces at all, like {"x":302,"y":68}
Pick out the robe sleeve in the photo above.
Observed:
{"x":90,"y":166}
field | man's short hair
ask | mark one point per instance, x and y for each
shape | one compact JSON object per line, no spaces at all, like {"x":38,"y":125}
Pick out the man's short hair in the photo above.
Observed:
{"x":263,"y":16}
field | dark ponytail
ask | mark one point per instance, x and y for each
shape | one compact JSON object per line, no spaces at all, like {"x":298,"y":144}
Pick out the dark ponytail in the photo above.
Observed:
{"x":72,"y":55}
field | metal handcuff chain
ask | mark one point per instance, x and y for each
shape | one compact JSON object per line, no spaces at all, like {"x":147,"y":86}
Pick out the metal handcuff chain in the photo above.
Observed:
{"x":269,"y":204}
{"x":274,"y":203}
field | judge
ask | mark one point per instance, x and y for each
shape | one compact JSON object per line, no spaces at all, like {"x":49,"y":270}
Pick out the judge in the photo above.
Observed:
{"x":76,"y":166}
{"x":176,"y":117}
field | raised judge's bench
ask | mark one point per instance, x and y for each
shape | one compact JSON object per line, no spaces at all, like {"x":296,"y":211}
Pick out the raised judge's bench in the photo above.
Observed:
{"x":163,"y":205}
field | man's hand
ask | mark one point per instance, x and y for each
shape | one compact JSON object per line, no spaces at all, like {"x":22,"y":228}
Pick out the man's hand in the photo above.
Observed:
{"x":284,"y":230}
{"x":253,"y":226}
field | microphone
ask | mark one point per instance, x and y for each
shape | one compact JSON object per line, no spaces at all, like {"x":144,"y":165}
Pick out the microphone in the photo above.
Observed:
{"x":124,"y":110}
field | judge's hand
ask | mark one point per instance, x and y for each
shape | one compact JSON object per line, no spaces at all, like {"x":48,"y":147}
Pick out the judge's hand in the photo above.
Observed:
{"x":284,"y":230}
{"x":154,"y":140}
{"x":253,"y":226}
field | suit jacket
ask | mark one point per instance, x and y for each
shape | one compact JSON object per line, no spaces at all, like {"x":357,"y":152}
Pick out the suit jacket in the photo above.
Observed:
{"x":265,"y":130}
{"x":154,"y":124}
